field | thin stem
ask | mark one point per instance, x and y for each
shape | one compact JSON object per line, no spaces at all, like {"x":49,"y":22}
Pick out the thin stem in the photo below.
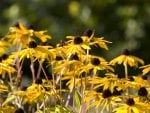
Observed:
{"x":126,"y":71}
{"x":74,"y":94}
{"x":68,"y":98}
{"x":38,"y":72}
{"x":83,"y":86}
{"x":126,"y":76}
{"x":53,"y":75}
{"x":9,"y":74}
{"x":110,"y":107}
{"x":32,"y":70}
{"x":43,"y":70}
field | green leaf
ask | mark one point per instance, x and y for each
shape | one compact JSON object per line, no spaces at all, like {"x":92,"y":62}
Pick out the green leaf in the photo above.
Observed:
{"x":9,"y":99}
{"x":77,"y":98}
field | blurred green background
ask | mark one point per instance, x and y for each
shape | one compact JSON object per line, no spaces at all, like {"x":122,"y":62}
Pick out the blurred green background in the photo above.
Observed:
{"x":124,"y":22}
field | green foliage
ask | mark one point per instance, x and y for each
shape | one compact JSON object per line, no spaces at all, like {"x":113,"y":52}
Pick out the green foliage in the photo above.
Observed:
{"x":125,"y":23}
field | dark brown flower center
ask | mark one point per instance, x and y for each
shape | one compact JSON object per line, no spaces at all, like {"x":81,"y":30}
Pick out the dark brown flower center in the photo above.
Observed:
{"x":77,"y":40}
{"x":74,"y":57}
{"x":4,"y":56}
{"x":38,"y":81}
{"x":95,"y":61}
{"x":106,"y":93}
{"x":32,"y":44}
{"x":130,"y":101}
{"x":142,"y":91}
{"x":59,"y":58}
{"x":120,"y":75}
{"x":16,"y":25}
{"x":131,"y":78}
{"x":144,"y":77}
{"x":126,"y":52}
{"x":23,"y":88}
{"x":19,"y":110}
{"x":0,"y":59}
{"x":88,"y":32}
{"x":116,"y":92}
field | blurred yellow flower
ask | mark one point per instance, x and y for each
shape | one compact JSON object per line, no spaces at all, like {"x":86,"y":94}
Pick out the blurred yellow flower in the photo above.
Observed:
{"x":3,"y":46}
{"x":126,"y":58}
{"x":19,"y":34}
{"x":146,"y":69}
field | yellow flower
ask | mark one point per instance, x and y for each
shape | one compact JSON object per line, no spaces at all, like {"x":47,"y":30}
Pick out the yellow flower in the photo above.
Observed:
{"x":3,"y":88}
{"x":19,"y":34}
{"x":97,"y":63}
{"x":42,"y":36}
{"x":83,"y":41}
{"x":146,"y":69}
{"x":97,"y":41}
{"x":74,"y":82}
{"x":100,"y":42}
{"x":39,"y":92}
{"x":103,"y":100}
{"x":126,"y":58}
{"x":132,"y":106}
{"x":7,"y":59}
{"x":137,"y":83}
{"x":3,"y":46}
{"x":7,"y":109}
{"x":35,"y":52}
{"x":35,"y":93}
{"x":74,"y":45}
{"x":6,"y":69}
{"x":108,"y":82}
{"x":72,"y":64}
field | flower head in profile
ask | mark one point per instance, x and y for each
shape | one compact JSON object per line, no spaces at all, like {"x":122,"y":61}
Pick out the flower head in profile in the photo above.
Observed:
{"x":126,"y":58}
{"x":3,"y":88}
{"x":97,"y":63}
{"x":110,"y":81}
{"x":97,"y":41}
{"x":77,"y":44}
{"x":3,"y":46}
{"x":102,"y":99}
{"x":132,"y":105}
{"x":146,"y":69}
{"x":6,"y":65}
{"x":134,"y":82}
{"x":34,"y":52}
{"x":20,"y":34}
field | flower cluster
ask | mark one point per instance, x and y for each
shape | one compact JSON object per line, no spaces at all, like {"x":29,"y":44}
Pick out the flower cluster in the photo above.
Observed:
{"x":74,"y":81}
